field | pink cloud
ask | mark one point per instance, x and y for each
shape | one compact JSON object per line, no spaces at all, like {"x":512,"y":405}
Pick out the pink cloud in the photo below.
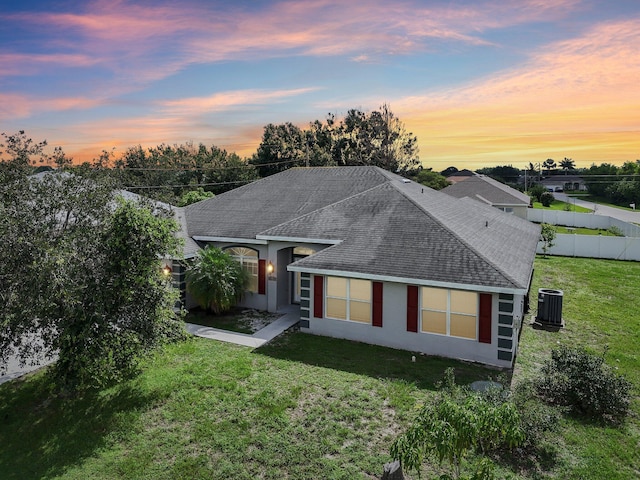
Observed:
{"x":226,"y":100}
{"x":144,"y":44}
{"x":18,"y":106}
{"x":23,"y":64}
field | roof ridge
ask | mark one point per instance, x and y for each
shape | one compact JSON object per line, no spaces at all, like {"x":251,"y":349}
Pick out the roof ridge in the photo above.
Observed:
{"x":457,"y":236}
{"x":331,"y":205}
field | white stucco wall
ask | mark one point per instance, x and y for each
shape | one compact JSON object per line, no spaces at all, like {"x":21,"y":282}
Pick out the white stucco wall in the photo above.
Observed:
{"x":394,"y":332}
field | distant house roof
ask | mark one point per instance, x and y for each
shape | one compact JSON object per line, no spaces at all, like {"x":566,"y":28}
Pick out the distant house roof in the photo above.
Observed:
{"x":461,"y":175}
{"x":559,"y":179}
{"x":488,"y":191}
{"x":380,"y":225}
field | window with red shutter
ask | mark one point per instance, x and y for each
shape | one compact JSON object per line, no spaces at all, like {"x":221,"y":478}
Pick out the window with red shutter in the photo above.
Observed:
{"x":318,"y":295}
{"x":377,"y":304}
{"x":484,"y":318}
{"x":412,"y":308}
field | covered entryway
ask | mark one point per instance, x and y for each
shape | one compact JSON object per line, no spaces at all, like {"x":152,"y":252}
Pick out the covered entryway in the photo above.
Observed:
{"x":298,"y":254}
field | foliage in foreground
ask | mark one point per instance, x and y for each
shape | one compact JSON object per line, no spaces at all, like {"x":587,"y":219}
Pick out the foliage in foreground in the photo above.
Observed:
{"x":216,"y":280}
{"x":203,"y":409}
{"x":585,"y":383}
{"x":454,"y":424}
{"x":81,"y":274}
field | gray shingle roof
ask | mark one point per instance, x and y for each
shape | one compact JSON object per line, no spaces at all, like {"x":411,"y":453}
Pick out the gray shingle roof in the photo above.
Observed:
{"x":246,"y":211}
{"x":486,"y":189}
{"x":409,"y":231}
{"x":383,"y":226}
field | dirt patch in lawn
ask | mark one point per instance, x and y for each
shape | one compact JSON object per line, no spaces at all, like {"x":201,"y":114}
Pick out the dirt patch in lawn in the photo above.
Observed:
{"x":240,"y":320}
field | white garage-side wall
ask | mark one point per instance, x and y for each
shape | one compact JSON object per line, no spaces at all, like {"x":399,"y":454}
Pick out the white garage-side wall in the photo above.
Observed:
{"x":506,"y":314}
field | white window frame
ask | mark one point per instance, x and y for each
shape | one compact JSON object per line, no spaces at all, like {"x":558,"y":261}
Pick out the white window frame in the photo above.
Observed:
{"x":348,"y":300}
{"x":448,"y":313}
{"x":249,"y":264}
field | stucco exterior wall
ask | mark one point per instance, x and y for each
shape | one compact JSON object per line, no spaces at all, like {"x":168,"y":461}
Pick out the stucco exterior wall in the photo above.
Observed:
{"x":394,"y":332}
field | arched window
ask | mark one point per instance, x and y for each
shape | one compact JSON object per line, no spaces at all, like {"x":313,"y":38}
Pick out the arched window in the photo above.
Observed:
{"x":248,"y":258}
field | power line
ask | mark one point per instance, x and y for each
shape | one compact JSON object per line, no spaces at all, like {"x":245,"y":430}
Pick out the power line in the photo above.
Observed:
{"x":145,"y":187}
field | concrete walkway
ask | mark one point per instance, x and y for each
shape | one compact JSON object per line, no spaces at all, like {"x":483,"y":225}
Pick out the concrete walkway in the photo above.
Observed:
{"x":291,"y":316}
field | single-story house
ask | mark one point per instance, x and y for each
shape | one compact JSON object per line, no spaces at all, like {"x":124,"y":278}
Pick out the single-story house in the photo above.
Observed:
{"x":373,"y":257}
{"x":564,"y":183}
{"x":491,"y":192}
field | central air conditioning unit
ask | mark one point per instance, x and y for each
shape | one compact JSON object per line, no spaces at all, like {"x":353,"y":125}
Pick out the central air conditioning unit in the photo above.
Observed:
{"x":550,"y":307}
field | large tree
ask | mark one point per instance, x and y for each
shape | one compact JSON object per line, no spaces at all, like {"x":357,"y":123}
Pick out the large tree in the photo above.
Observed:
{"x":431,"y":179}
{"x":502,"y":173}
{"x":80,"y":273}
{"x":376,"y":138}
{"x":283,"y":146}
{"x":167,"y":172}
{"x":567,"y":164}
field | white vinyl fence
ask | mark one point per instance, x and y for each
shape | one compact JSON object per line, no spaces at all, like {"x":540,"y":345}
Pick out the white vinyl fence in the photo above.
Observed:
{"x":589,"y":246}
{"x":595,"y":246}
{"x":586,"y":220}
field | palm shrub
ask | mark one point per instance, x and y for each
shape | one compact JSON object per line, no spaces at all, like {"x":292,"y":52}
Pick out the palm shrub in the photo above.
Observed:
{"x":216,"y":280}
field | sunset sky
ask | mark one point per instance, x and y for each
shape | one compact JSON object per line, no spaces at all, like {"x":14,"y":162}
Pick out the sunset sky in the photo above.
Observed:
{"x":481,"y":83}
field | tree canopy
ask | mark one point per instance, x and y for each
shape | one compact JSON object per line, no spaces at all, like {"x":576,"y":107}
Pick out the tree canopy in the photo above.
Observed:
{"x":81,"y":273}
{"x":376,"y":138}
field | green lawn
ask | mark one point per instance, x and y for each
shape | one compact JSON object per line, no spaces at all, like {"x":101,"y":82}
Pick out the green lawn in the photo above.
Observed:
{"x":601,"y":305}
{"x":584,"y":231}
{"x":310,"y":407}
{"x":558,"y":205}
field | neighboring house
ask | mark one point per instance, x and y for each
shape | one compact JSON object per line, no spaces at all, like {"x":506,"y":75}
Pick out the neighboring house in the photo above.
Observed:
{"x":373,"y":257}
{"x":564,"y":183}
{"x":461,"y":175}
{"x":491,"y":192}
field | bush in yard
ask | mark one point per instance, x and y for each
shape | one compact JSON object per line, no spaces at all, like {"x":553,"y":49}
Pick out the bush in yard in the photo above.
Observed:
{"x":536,"y":417}
{"x":216,"y":280}
{"x":585,"y":383}
{"x":456,"y":423}
{"x":546,"y":199}
{"x":617,"y":231}
{"x":536,"y":191}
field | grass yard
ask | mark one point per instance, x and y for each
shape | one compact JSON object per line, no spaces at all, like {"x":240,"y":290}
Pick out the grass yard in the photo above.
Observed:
{"x":309,"y":407}
{"x":558,"y":205}
{"x":584,"y":231}
{"x":601,"y":305}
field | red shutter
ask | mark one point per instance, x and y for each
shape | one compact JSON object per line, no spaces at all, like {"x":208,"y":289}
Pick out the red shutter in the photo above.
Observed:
{"x":484,"y":319}
{"x":262,"y":277}
{"x":318,"y":295}
{"x":412,"y":308}
{"x":377,"y":304}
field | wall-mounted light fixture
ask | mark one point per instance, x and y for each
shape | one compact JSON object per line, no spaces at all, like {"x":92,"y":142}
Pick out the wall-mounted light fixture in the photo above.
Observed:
{"x":166,"y":270}
{"x":270,"y":268}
